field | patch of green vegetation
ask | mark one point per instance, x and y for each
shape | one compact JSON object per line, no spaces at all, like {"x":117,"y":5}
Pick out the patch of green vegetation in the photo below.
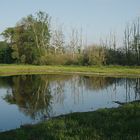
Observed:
{"x":122,"y":123}
{"x":92,"y":70}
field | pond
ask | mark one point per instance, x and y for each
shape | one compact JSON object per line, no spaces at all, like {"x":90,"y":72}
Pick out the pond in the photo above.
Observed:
{"x":30,"y":99}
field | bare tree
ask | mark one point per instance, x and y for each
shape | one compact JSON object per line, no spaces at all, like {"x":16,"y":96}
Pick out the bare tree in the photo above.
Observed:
{"x":136,"y":39}
{"x":57,"y":40}
{"x":127,"y":42}
{"x":76,"y":42}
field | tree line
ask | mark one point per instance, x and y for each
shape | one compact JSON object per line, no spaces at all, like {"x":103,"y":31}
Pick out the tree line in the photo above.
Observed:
{"x":34,"y":41}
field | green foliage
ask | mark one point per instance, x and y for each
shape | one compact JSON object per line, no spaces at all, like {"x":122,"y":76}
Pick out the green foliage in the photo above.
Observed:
{"x":23,"y":59}
{"x":29,"y":39}
{"x":93,"y":55}
{"x":32,"y":41}
{"x":5,"y":53}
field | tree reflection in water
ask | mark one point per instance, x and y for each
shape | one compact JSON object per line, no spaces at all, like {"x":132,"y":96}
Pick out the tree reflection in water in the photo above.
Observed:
{"x":31,"y":94}
{"x":34,"y":94}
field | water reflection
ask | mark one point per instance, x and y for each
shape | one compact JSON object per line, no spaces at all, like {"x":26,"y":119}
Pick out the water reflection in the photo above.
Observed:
{"x":31,"y":94}
{"x":41,"y":96}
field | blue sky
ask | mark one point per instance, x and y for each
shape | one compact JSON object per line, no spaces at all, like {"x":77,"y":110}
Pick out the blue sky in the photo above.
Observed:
{"x":96,"y":17}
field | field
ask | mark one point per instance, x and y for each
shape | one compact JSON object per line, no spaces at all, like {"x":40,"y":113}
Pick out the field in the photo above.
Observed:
{"x":92,"y":70}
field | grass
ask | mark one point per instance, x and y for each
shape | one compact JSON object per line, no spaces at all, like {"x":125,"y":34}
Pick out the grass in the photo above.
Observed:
{"x":122,"y":123}
{"x":91,"y":70}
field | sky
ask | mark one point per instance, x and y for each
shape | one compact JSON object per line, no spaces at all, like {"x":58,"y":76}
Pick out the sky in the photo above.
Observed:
{"x":97,"y":18}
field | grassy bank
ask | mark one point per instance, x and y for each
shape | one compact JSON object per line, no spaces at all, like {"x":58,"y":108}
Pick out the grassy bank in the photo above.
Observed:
{"x":121,"y":123}
{"x":97,"y":70}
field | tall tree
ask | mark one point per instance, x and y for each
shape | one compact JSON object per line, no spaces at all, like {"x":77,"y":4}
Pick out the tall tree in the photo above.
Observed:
{"x":40,"y":26}
{"x":57,"y":40}
{"x":29,"y":39}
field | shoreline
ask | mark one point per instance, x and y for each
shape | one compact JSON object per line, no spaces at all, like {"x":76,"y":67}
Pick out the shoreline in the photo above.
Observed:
{"x":108,"y":71}
{"x":85,"y":125}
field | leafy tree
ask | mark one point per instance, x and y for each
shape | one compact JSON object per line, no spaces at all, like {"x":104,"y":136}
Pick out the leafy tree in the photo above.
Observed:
{"x":5,"y":53}
{"x":29,"y":39}
{"x":40,"y":29}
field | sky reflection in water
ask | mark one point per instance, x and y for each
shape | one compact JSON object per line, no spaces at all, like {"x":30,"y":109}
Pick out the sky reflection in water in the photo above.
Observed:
{"x":32,"y":98}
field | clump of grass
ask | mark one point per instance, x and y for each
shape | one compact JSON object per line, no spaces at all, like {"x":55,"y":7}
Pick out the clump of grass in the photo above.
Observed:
{"x":121,"y":123}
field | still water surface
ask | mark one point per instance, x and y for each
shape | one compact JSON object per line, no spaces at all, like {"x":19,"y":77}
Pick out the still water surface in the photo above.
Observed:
{"x":33,"y":98}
